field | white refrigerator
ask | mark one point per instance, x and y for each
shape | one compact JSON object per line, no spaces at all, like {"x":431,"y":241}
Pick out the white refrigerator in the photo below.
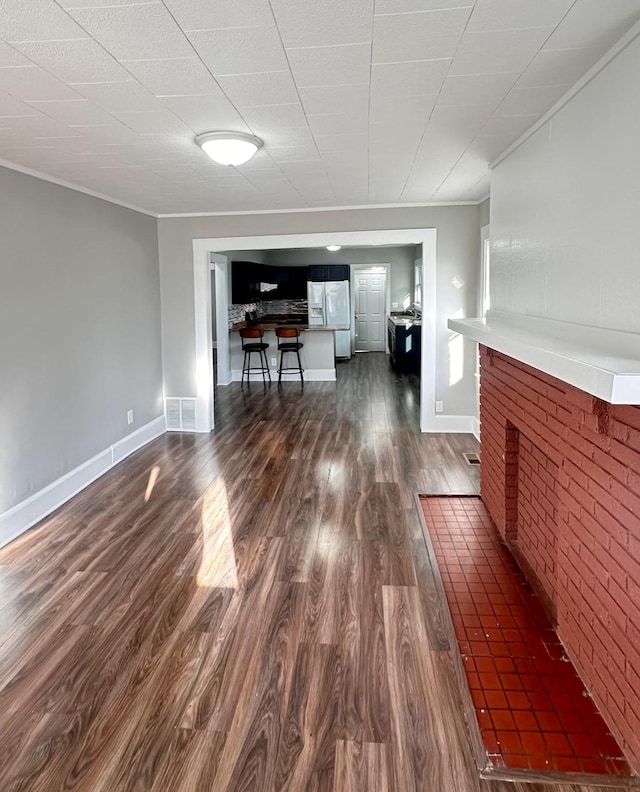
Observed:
{"x":329,"y":304}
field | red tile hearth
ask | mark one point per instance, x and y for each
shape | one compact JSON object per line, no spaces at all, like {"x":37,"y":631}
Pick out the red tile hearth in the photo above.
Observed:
{"x":532,"y":708}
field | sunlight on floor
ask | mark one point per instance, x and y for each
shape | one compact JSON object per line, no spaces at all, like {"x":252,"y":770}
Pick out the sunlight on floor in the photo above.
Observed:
{"x":218,"y":562}
{"x":153,"y":477}
{"x":336,"y":476}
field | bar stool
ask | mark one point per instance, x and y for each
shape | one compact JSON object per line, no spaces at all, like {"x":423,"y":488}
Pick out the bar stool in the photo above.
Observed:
{"x":249,"y":347}
{"x":286,"y":344}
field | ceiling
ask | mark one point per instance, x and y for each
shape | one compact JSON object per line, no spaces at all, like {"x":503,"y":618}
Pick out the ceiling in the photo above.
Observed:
{"x":359,"y":102}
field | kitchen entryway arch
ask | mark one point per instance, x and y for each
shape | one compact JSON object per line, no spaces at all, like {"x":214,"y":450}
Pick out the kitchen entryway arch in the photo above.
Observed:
{"x":207,"y":254}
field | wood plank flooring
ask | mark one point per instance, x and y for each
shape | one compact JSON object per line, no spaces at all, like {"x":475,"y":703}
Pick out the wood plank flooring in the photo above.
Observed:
{"x":249,"y":610}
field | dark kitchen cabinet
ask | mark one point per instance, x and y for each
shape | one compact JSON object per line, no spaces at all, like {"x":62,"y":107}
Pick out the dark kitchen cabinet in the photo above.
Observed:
{"x":329,"y":272}
{"x":245,"y":281}
{"x":339,"y":272}
{"x":404,"y":347}
{"x":319,"y":272}
{"x":251,"y":282}
{"x":292,"y":282}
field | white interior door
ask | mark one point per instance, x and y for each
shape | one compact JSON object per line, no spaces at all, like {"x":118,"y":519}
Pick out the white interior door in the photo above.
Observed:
{"x":370,"y":302}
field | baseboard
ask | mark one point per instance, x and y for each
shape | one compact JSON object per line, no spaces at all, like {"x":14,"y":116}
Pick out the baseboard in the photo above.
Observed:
{"x":24,"y":515}
{"x":455,"y":424}
{"x":132,"y":442}
{"x":310,"y":375}
{"x":476,"y":429}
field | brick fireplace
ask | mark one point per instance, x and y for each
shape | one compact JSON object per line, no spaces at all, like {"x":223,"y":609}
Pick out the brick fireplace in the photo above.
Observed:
{"x":561,"y":479}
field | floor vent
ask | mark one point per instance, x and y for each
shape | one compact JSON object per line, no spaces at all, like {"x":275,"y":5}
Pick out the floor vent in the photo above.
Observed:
{"x":181,"y":414}
{"x":471,"y":458}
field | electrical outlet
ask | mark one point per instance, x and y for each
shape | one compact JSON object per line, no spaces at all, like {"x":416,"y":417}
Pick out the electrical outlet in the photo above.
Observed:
{"x":439,"y":406}
{"x":394,"y":306}
{"x":130,"y":417}
{"x":274,"y":361}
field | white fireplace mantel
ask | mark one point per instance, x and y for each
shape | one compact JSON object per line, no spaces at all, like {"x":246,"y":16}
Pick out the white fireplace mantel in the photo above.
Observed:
{"x":602,"y":362}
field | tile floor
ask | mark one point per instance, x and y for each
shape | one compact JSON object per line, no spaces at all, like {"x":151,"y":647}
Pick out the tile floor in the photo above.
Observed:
{"x":532,"y":708}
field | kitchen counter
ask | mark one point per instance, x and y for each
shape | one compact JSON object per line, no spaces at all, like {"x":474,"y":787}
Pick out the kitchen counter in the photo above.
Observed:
{"x":317,"y":353}
{"x":273,"y":325}
{"x":399,"y":320}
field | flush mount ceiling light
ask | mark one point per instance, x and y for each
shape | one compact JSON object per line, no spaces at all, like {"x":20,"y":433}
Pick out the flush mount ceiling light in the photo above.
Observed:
{"x":333,"y":248}
{"x":229,"y":148}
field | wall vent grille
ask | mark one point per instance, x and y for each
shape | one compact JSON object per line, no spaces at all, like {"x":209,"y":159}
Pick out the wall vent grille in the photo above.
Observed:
{"x":172,"y":410}
{"x":180,"y":414}
{"x":471,"y":458}
{"x":188,"y":410}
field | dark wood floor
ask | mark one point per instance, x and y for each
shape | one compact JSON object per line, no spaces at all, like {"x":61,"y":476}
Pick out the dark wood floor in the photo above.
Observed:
{"x":249,"y":610}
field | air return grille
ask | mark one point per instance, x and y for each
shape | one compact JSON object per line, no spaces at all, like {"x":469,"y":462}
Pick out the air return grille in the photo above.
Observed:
{"x":181,"y":414}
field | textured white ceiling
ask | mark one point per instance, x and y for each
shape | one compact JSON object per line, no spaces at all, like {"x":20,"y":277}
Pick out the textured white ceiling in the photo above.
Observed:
{"x":358,"y":101}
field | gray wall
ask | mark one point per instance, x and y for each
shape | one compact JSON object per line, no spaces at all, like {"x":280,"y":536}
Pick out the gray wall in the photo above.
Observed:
{"x":484,"y":210}
{"x":565,"y":205}
{"x":457,"y":278}
{"x":79,"y":330}
{"x":401,"y":260}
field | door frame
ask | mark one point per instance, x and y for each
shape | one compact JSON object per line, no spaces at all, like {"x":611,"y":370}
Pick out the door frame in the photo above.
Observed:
{"x":387,"y":300}
{"x":203,"y":359}
{"x":220,"y":267}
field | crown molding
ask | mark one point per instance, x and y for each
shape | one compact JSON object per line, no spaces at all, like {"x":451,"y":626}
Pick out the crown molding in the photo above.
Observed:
{"x":60,"y":183}
{"x":164,"y":216}
{"x":306,"y":210}
{"x":605,"y":60}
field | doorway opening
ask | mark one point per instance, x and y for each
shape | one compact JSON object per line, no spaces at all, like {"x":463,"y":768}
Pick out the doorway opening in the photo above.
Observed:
{"x":209,"y":251}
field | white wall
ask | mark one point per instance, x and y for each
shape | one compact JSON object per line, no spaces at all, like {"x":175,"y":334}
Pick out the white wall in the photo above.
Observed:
{"x":565,"y":208}
{"x":79,"y":330}
{"x":457,"y":272}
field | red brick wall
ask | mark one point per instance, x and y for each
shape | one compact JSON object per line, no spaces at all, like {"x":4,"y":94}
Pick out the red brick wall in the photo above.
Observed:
{"x":583,"y":457}
{"x":538,"y":513}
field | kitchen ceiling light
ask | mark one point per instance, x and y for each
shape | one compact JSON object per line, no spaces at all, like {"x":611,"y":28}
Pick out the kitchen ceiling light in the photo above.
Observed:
{"x":229,"y":148}
{"x":333,"y":248}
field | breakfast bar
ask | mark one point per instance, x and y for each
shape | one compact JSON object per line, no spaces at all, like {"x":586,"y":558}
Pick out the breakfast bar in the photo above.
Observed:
{"x":317,"y":354}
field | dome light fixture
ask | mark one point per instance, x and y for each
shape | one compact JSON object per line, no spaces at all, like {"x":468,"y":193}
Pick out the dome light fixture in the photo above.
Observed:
{"x":229,"y":148}
{"x":333,"y":248}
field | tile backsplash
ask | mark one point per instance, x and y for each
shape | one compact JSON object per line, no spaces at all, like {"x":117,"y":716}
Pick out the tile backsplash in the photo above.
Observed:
{"x":236,"y":313}
{"x":283,"y":307}
{"x":238,"y":310}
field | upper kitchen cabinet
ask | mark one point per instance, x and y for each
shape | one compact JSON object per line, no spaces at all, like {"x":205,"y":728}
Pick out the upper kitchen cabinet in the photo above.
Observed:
{"x":339,"y":272}
{"x":245,"y":281}
{"x":292,"y":282}
{"x":251,"y":282}
{"x":319,"y":272}
{"x":329,"y":272}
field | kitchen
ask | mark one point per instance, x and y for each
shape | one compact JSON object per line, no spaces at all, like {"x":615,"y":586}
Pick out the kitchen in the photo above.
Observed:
{"x":341,"y":299}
